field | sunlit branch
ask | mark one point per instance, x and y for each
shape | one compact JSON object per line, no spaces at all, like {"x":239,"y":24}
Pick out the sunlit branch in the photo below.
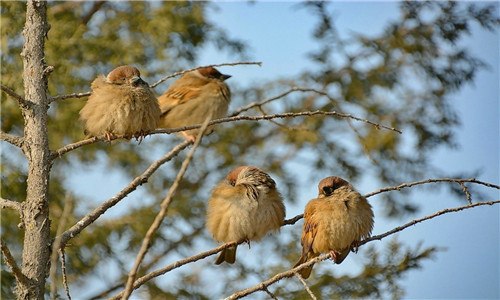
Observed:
{"x":63,"y":271}
{"x":20,"y":100}
{"x":69,"y":96}
{"x":148,"y":239}
{"x":11,"y":263}
{"x":216,"y":65}
{"x":63,"y":218}
{"x":5,"y":203}
{"x":264,"y":284}
{"x":177,"y":264}
{"x":306,"y":287}
{"x":279,"y":116}
{"x":12,"y":139}
{"x":263,"y":102}
{"x":139,"y":180}
{"x":436,"y":180}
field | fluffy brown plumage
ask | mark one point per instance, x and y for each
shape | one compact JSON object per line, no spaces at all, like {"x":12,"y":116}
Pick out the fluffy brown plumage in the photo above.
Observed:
{"x":334,"y":222}
{"x":244,"y":206}
{"x":192,"y":98}
{"x":121,"y":104}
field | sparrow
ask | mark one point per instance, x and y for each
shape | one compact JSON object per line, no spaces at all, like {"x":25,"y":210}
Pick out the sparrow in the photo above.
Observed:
{"x":192,"y":98}
{"x":120,"y":105}
{"x":244,"y":206}
{"x":334,"y":222}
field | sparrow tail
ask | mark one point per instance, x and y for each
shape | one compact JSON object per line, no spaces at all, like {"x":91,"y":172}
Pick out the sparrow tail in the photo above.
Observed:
{"x":227,"y":255}
{"x":305,"y":272}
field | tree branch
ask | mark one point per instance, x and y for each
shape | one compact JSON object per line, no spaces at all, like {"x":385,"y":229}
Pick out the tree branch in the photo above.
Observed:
{"x":63,"y":271}
{"x":5,"y":203}
{"x":20,"y":100}
{"x":148,"y":239}
{"x":12,"y":139}
{"x":11,"y":263}
{"x":177,"y":264}
{"x":306,"y":287}
{"x":216,"y":65}
{"x":263,"y":285}
{"x":95,"y":8}
{"x":436,"y":180}
{"x":278,"y":116}
{"x":69,"y":96}
{"x":263,"y":102}
{"x":68,"y":206}
{"x":139,"y":180}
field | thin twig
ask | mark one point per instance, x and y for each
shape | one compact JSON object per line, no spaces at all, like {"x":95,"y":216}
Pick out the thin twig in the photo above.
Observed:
{"x":290,"y":273}
{"x":63,"y":271}
{"x":139,"y":180}
{"x":468,"y":196}
{"x":148,"y":239}
{"x":68,"y":96}
{"x":416,"y":221}
{"x":273,"y":296}
{"x":11,"y":263}
{"x":177,"y":264}
{"x":436,"y":180}
{"x":216,"y":65}
{"x":304,"y":283}
{"x":68,"y":206}
{"x":5,"y":203}
{"x":293,"y":220}
{"x":12,"y":139}
{"x":278,"y":116}
{"x":76,"y":145}
{"x":263,"y":102}
{"x":20,"y":99}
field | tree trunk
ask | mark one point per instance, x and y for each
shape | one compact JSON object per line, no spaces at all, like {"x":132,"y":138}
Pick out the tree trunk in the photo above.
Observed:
{"x":36,"y":251}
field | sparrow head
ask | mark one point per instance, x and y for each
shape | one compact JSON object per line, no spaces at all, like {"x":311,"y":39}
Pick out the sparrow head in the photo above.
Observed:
{"x":125,"y":75}
{"x":328,"y":185}
{"x":250,"y":175}
{"x":213,"y":73}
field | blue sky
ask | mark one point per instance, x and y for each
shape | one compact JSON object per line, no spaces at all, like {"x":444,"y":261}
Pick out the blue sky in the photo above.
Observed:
{"x":279,"y":35}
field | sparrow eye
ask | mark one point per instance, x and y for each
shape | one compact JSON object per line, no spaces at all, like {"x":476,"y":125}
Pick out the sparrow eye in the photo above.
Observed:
{"x":232,"y":182}
{"x":328,"y":190}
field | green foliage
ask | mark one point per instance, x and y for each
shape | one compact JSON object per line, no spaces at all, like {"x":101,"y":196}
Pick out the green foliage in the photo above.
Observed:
{"x":363,"y":75}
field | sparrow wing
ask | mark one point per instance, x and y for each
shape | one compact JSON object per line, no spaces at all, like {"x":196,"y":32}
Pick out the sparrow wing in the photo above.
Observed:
{"x":308,"y":235}
{"x":177,"y":96}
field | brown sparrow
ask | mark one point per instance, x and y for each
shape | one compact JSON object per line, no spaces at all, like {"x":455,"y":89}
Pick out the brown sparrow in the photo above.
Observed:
{"x":244,"y":206}
{"x":121,"y":104}
{"x":334,"y":222}
{"x":192,"y":98}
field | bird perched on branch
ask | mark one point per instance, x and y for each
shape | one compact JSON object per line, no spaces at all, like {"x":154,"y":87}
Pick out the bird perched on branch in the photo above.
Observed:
{"x":334,"y":222}
{"x":120,"y":105}
{"x":193,"y":97}
{"x":244,"y":206}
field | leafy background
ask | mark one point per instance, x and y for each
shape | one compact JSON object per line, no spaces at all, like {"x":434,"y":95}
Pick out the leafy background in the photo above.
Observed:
{"x":409,"y":65}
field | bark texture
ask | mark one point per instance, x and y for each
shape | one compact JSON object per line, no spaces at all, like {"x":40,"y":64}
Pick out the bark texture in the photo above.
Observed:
{"x":36,"y":251}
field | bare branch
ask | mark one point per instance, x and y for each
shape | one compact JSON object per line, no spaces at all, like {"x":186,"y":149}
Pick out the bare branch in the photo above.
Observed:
{"x":139,"y":180}
{"x":279,"y":116}
{"x":11,"y":263}
{"x":5,"y":203}
{"x":293,"y":220}
{"x":68,"y":206}
{"x":69,"y":96}
{"x":410,"y":184}
{"x":416,"y":221}
{"x":216,"y":65}
{"x":95,"y":8}
{"x":20,"y":100}
{"x":76,"y":145}
{"x":261,"y":286}
{"x":142,"y":280}
{"x":63,"y":271}
{"x":148,"y":239}
{"x":263,"y":102}
{"x":12,"y":139}
{"x":270,"y":294}
{"x":304,"y":283}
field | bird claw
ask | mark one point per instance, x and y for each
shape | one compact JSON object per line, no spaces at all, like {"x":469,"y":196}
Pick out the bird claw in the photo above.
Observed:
{"x":355,"y":246}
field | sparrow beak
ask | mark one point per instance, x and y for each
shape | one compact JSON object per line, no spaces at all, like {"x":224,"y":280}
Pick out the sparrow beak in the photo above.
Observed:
{"x":224,"y":76}
{"x":136,"y":80}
